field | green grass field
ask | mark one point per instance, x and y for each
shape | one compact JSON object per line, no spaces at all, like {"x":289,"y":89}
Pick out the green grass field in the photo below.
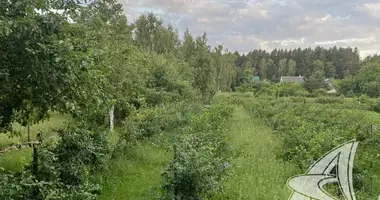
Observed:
{"x":16,"y":159}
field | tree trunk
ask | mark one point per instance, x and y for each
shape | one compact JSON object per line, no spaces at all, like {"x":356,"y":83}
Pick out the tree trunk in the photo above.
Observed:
{"x":28,"y":131}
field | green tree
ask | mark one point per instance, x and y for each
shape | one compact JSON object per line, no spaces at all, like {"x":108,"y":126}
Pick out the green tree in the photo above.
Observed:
{"x":315,"y":81}
{"x":42,"y":62}
{"x":291,"y":68}
{"x":204,"y":71}
{"x":282,"y":67}
{"x":263,"y":69}
{"x":368,"y":79}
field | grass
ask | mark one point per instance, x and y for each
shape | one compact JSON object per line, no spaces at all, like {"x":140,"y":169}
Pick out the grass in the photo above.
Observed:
{"x":15,"y":160}
{"x":46,"y":127}
{"x":136,"y":174}
{"x":258,"y":174}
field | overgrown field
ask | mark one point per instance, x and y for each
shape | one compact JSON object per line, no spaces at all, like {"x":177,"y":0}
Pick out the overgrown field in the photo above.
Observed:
{"x":308,"y":128}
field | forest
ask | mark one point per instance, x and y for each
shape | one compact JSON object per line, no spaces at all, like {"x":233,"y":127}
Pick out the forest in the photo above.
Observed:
{"x":94,"y":106}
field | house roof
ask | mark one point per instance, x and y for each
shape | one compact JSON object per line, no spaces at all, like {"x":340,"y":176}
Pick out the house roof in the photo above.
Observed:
{"x":256,"y":78}
{"x":299,"y":79}
{"x":330,"y":83}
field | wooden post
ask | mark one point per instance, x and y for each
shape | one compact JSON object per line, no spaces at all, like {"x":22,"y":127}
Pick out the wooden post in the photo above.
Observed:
{"x":175,"y":172}
{"x":35,"y":160}
{"x":111,"y":113}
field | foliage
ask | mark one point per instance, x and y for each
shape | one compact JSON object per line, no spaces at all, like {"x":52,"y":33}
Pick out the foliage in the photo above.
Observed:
{"x":291,"y":89}
{"x":61,"y":171}
{"x":308,"y":130}
{"x":37,"y":75}
{"x":200,"y":157}
{"x":315,"y":81}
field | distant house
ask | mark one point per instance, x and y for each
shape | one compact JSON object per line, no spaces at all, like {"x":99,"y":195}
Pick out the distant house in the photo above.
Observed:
{"x":292,"y":79}
{"x":332,"y":91}
{"x":256,"y":78}
{"x":330,"y":83}
{"x":331,"y":86}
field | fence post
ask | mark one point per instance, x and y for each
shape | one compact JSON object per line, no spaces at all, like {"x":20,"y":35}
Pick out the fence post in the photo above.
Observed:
{"x":175,"y":171}
{"x":28,"y":131}
{"x":111,"y":114}
{"x":35,"y":160}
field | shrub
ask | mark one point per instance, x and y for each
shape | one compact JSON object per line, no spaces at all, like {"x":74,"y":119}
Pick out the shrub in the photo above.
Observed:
{"x":201,"y":156}
{"x":291,"y":89}
{"x":318,"y":93}
{"x":310,"y":130}
{"x":329,"y":100}
{"x":62,"y":170}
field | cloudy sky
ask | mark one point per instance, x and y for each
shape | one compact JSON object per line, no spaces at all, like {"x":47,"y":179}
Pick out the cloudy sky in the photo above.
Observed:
{"x":245,"y":25}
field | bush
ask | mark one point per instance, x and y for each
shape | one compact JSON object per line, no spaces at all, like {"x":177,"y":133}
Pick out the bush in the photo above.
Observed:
{"x":310,"y":130}
{"x":376,"y":106}
{"x":147,"y":122}
{"x":318,"y":93}
{"x":291,"y":89}
{"x":329,"y":100}
{"x":201,"y":156}
{"x":61,"y":171}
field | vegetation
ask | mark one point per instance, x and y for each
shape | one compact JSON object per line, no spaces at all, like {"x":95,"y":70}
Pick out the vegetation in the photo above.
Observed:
{"x":307,"y":129}
{"x":65,"y":67}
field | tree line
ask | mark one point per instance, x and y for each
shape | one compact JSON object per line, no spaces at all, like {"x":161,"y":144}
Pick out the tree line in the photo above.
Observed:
{"x":333,"y":62}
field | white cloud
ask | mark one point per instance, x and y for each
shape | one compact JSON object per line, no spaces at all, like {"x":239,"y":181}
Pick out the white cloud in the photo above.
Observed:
{"x":254,"y":10}
{"x":288,"y":42}
{"x":326,"y":17}
{"x":351,"y":40}
{"x":244,"y":25}
{"x":373,"y":9}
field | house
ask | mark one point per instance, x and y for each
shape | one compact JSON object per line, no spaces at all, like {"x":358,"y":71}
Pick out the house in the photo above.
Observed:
{"x":331,"y":86}
{"x":330,"y":83}
{"x":332,"y":91}
{"x":256,"y":78}
{"x":292,"y":79}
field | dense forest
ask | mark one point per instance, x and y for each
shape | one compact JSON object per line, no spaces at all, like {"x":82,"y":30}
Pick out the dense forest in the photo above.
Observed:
{"x":87,"y":61}
{"x":334,"y":62}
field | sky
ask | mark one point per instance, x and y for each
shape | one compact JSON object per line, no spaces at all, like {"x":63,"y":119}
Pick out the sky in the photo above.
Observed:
{"x":245,"y":25}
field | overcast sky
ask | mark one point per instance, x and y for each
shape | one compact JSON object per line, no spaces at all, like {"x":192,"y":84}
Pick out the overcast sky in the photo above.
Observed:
{"x":245,"y":25}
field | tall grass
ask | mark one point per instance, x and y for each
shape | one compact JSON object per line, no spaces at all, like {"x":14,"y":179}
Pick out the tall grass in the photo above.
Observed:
{"x":258,"y":174}
{"x":135,"y":174}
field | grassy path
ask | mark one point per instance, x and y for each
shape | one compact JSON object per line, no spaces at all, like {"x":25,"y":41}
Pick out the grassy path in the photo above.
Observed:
{"x":136,"y":175}
{"x":258,"y":174}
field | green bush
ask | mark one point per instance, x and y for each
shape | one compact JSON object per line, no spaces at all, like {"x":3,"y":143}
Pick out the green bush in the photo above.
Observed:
{"x":291,"y":89}
{"x":329,"y":100}
{"x":318,"y":93}
{"x":201,"y":157}
{"x":312,"y":129}
{"x":62,"y":170}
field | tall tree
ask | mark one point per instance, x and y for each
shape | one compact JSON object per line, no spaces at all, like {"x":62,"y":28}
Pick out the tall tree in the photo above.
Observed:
{"x":42,"y":61}
{"x":291,"y":68}
{"x":204,"y":71}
